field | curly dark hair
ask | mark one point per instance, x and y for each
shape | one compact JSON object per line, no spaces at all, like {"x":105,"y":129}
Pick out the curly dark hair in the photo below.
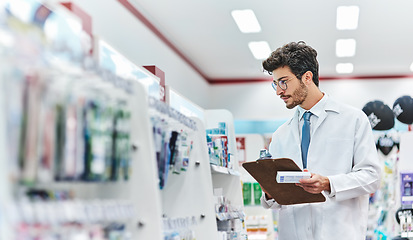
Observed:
{"x":298,"y":56}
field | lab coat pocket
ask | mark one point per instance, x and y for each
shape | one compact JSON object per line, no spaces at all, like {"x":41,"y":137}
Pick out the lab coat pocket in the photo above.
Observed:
{"x":338,"y":155}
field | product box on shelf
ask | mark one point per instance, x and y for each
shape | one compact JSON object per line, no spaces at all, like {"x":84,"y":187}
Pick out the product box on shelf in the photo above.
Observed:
{"x":406,"y":192}
{"x":218,"y":150}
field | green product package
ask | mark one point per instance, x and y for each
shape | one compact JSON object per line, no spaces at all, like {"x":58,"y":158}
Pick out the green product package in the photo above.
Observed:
{"x":246,"y":193}
{"x":257,"y":193}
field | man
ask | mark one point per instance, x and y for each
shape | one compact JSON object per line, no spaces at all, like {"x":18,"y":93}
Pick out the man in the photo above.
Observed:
{"x":341,"y":154}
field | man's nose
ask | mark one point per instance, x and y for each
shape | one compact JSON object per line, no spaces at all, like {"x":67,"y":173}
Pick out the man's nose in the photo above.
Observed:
{"x":279,"y":90}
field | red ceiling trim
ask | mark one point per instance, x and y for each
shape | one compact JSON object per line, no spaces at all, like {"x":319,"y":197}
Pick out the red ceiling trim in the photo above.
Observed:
{"x":162,"y":37}
{"x":86,"y":18}
{"x":238,"y":80}
{"x":269,"y":79}
{"x":367,"y":77}
{"x":135,"y":12}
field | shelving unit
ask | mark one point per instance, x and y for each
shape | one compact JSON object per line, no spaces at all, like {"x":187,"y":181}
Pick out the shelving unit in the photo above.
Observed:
{"x":5,"y":186}
{"x":255,"y":213}
{"x":226,"y":181}
{"x":189,"y":194}
{"x":145,"y":221}
{"x":221,"y":177}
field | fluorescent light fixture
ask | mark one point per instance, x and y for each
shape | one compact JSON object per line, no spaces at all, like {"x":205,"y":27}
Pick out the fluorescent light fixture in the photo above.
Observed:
{"x":347,"y":17}
{"x":260,"y":50}
{"x":345,"y":47}
{"x":246,"y":21}
{"x":344,"y":68}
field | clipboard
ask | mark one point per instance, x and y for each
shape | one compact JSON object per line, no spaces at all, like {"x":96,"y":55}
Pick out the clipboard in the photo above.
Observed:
{"x":265,"y":172}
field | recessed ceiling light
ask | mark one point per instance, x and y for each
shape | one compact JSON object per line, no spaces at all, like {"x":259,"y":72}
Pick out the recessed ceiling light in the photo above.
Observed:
{"x":344,"y":68}
{"x":347,"y":17}
{"x":260,"y":50}
{"x":246,"y":21}
{"x":345,"y":47}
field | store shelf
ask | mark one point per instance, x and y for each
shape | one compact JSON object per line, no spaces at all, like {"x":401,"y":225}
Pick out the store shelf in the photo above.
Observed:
{"x":257,"y":236}
{"x":230,"y":215}
{"x":224,"y":170}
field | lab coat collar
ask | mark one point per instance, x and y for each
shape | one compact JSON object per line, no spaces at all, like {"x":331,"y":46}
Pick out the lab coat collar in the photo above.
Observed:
{"x":320,"y":109}
{"x":331,"y":105}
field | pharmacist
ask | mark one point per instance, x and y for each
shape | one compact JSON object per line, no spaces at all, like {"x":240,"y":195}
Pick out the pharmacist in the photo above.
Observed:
{"x":331,"y":140}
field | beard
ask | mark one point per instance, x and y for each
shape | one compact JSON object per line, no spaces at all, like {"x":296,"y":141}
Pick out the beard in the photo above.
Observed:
{"x":298,"y":96}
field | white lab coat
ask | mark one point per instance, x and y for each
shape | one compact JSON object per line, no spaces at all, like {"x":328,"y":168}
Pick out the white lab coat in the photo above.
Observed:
{"x":342,"y":148}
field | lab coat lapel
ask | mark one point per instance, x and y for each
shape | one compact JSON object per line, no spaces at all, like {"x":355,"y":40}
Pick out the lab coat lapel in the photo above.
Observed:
{"x":320,"y":120}
{"x":294,"y":129}
{"x":330,"y":106}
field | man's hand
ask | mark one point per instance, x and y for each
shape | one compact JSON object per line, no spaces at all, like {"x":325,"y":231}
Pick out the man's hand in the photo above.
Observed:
{"x":315,"y":184}
{"x":267,"y":196}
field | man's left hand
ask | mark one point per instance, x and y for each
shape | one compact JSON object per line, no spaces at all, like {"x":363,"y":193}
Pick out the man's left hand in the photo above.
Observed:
{"x":315,"y":184}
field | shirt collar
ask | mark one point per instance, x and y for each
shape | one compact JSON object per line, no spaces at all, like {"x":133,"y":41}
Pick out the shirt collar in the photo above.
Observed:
{"x":317,"y":109}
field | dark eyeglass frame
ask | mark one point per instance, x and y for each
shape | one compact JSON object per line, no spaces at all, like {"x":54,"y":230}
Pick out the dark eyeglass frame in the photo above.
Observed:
{"x":281,"y":84}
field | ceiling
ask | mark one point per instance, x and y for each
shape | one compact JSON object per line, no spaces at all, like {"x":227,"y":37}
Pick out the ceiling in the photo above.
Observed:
{"x":205,"y":35}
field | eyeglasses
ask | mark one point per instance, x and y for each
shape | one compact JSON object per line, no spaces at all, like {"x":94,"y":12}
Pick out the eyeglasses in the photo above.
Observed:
{"x":281,"y":83}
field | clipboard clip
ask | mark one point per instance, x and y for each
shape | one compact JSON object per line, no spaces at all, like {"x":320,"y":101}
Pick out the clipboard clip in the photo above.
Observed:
{"x":264,"y":154}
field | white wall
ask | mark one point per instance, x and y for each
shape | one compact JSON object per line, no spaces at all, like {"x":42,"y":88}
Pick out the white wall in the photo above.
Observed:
{"x":259,"y":101}
{"x":113,"y":23}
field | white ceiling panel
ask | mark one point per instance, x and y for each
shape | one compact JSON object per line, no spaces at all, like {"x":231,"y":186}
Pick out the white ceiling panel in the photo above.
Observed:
{"x":205,"y":32}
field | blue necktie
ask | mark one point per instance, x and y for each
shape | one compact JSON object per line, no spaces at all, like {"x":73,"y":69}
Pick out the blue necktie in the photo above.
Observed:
{"x":305,"y":138}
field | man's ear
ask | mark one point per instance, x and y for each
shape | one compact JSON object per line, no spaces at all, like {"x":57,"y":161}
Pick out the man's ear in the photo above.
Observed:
{"x":307,"y":77}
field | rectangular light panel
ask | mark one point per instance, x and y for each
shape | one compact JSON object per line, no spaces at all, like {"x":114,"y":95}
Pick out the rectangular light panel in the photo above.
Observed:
{"x":344,"y":68}
{"x":246,"y":21}
{"x":260,"y":50}
{"x":347,"y":17}
{"x":345,"y":47}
